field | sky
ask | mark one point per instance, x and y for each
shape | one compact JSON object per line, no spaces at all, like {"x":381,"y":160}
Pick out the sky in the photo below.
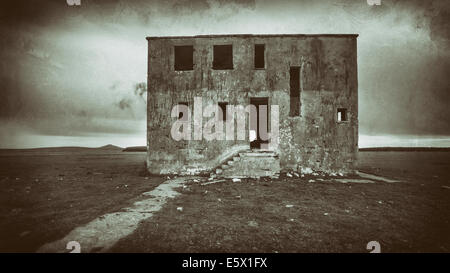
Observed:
{"x":75,"y":75}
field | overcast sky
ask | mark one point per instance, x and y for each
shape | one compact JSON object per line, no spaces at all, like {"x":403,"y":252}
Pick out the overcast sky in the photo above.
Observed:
{"x":71,"y":76}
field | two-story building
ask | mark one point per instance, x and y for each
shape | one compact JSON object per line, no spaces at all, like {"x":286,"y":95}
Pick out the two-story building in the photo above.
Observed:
{"x":306,"y":86}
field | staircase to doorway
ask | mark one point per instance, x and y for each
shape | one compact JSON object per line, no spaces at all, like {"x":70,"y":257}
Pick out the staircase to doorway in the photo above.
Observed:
{"x":249,"y":164}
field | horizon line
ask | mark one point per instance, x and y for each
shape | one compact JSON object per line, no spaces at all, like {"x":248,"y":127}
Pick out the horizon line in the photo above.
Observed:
{"x":116,"y":146}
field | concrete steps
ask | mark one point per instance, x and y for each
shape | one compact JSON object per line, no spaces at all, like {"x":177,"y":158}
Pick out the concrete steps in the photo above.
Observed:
{"x":249,"y":164}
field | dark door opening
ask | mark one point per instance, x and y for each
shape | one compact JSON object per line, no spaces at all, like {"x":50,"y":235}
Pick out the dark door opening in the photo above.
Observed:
{"x":259,"y":122}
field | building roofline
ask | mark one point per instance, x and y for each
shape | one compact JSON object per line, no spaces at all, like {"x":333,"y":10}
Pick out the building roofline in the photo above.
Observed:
{"x":250,"y":36}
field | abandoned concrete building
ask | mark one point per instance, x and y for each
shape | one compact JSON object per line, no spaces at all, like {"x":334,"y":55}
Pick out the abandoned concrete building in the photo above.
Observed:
{"x":312,"y":79}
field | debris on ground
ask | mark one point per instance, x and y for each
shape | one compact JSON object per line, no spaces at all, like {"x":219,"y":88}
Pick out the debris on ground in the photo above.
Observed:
{"x":236,"y":180}
{"x":214,"y":181}
{"x":16,"y":211}
{"x":180,"y":208}
{"x":307,"y":170}
{"x":348,"y":180}
{"x":25,"y":233}
{"x":252,"y":223}
{"x":288,"y":175}
{"x":311,"y":181}
{"x":289,"y":206}
{"x":376,"y":177}
{"x":326,"y":213}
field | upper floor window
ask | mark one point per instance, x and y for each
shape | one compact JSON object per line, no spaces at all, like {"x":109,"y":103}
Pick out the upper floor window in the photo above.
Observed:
{"x":259,"y":56}
{"x":184,"y":58}
{"x":223,"y":57}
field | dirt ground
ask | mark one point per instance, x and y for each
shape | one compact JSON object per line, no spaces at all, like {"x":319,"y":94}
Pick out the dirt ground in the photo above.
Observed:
{"x":295,"y":215}
{"x":45,"y":194}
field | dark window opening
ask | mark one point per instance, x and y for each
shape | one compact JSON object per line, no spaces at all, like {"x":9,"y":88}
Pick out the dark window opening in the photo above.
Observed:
{"x":259,"y":56}
{"x":184,"y":58}
{"x":223,"y":107}
{"x":342,"y":114}
{"x":294,"y":82}
{"x":181,"y":116}
{"x":223,"y":57}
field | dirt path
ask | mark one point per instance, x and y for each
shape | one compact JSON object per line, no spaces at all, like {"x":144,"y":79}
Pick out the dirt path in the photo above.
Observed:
{"x":102,"y":233}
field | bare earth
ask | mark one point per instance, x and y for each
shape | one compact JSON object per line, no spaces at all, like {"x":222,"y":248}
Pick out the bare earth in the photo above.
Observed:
{"x":45,"y":194}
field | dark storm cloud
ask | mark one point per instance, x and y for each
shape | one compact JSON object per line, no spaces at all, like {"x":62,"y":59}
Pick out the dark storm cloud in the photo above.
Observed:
{"x":435,"y":14}
{"x":82,"y":69}
{"x":408,"y":92}
{"x":34,"y":12}
{"x":140,"y":89}
{"x":124,"y":104}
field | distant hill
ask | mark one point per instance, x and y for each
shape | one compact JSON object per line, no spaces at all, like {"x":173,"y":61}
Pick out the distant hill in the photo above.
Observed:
{"x":110,"y":147}
{"x":57,"y":149}
{"x":405,"y":149}
{"x":135,"y":149}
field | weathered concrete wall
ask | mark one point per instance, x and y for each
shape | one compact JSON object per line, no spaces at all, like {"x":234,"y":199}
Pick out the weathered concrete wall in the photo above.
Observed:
{"x":312,"y":140}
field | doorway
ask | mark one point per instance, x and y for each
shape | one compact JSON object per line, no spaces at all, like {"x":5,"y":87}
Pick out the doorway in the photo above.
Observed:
{"x":259,"y":123}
